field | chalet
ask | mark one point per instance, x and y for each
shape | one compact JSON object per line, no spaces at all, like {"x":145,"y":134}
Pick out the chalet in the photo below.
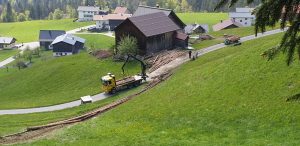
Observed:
{"x":143,"y":10}
{"x":227,"y":24}
{"x":244,"y":16}
{"x":154,"y":32}
{"x":196,"y":28}
{"x":121,"y":10}
{"x":48,"y":36}
{"x":86,"y":13}
{"x":67,"y":45}
{"x":110,"y":21}
{"x":7,"y":42}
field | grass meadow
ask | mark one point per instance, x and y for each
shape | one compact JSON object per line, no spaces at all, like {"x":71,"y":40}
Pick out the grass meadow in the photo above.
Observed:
{"x":99,"y":41}
{"x":28,"y":31}
{"x":228,"y":97}
{"x":4,"y":54}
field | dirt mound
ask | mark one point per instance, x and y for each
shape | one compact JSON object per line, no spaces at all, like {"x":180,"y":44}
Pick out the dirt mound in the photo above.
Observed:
{"x":102,"y":54}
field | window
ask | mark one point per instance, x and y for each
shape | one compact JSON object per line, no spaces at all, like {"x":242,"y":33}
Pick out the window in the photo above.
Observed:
{"x":246,"y":18}
{"x":246,"y":23}
{"x":241,"y":20}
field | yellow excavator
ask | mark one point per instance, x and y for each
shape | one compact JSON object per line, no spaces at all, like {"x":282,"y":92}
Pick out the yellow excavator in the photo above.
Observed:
{"x":110,"y":85}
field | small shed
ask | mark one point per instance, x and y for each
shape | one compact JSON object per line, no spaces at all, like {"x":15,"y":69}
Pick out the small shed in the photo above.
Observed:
{"x":154,"y":32}
{"x":7,"y":42}
{"x":196,"y":28}
{"x":182,"y":40}
{"x":48,"y":36}
{"x":227,"y":24}
{"x":67,"y":45}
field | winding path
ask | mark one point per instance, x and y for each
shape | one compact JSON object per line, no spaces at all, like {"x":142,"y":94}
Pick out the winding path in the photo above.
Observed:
{"x":175,"y":63}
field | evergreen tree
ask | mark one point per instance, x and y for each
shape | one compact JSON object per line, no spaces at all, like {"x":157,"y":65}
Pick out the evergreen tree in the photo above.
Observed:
{"x":7,"y":14}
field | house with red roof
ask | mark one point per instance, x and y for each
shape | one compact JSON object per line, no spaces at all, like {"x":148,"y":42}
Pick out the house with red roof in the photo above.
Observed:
{"x":121,"y":10}
{"x":227,"y":24}
{"x":110,"y":21}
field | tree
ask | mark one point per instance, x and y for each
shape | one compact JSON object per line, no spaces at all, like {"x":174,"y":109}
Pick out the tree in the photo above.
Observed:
{"x":21,"y":17}
{"x":50,"y":17}
{"x":37,"y":51}
{"x":20,"y":64}
{"x":7,"y":14}
{"x":128,"y":45}
{"x":58,"y":14}
{"x":269,"y":13}
{"x":27,"y":54}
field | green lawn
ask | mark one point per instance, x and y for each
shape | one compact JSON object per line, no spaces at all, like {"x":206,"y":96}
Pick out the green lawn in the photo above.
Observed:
{"x":203,"y":18}
{"x":52,"y":81}
{"x":10,"y":124}
{"x":4,"y":54}
{"x":98,"y":40}
{"x":229,"y":97}
{"x":29,"y":31}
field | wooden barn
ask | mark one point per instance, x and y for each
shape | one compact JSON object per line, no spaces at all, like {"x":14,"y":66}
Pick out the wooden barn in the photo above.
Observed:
{"x":154,"y":32}
{"x":48,"y":36}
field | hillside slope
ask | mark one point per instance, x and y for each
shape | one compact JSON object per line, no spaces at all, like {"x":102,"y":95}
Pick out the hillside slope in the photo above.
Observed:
{"x":229,"y":97}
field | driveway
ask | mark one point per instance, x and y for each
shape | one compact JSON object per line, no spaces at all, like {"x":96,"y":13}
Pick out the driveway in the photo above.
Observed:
{"x":177,"y":62}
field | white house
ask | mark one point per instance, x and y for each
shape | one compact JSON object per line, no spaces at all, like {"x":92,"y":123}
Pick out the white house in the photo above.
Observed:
{"x":110,"y":21}
{"x":244,"y":16}
{"x":7,"y":42}
{"x":86,"y":13}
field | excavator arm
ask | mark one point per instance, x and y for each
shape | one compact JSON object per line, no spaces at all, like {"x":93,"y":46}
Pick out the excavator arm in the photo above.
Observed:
{"x":143,"y":66}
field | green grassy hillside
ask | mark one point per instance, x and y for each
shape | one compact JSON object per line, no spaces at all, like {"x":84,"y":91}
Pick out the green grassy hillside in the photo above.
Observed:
{"x":4,"y":54}
{"x":29,"y":31}
{"x":229,"y":97}
{"x":202,"y":18}
{"x":54,"y":81}
{"x":98,"y":40}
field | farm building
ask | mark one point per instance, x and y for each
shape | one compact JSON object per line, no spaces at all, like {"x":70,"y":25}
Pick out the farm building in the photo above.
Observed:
{"x":67,"y":45}
{"x":86,"y":13}
{"x":7,"y":42}
{"x":244,"y":16}
{"x":154,"y":32}
{"x":196,"y":28}
{"x":110,"y":21}
{"x":227,"y":24}
{"x":143,"y":10}
{"x":121,"y":10}
{"x":48,"y":36}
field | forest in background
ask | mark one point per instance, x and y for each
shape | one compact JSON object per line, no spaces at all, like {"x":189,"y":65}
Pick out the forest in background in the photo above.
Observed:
{"x":25,"y":10}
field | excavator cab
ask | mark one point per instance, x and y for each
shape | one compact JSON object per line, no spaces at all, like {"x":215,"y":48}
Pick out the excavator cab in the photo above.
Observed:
{"x":109,"y":83}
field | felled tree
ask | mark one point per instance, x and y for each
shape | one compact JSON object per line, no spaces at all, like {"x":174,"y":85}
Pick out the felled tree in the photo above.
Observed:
{"x":128,"y":45}
{"x":271,"y":12}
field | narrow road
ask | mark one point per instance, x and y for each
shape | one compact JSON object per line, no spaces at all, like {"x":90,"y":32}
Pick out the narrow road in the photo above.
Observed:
{"x":175,"y":63}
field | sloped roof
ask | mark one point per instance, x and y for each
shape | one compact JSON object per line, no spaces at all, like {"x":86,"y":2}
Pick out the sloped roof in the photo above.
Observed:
{"x":68,"y":38}
{"x":6,"y":40}
{"x":154,"y":24}
{"x":226,"y":24}
{"x":88,"y":8}
{"x":111,"y":17}
{"x":50,"y":34}
{"x":192,"y":27}
{"x":143,"y":10}
{"x":120,"y":10}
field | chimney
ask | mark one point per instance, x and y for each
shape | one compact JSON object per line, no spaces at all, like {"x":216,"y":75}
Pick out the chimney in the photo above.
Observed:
{"x":157,"y":5}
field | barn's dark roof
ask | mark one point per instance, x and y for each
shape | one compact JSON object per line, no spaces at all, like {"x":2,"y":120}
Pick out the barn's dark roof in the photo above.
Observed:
{"x":143,"y":10}
{"x":50,"y":35}
{"x":154,"y":24}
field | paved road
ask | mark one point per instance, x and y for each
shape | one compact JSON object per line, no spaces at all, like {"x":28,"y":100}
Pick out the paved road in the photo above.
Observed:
{"x":177,"y":62}
{"x":52,"y":108}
